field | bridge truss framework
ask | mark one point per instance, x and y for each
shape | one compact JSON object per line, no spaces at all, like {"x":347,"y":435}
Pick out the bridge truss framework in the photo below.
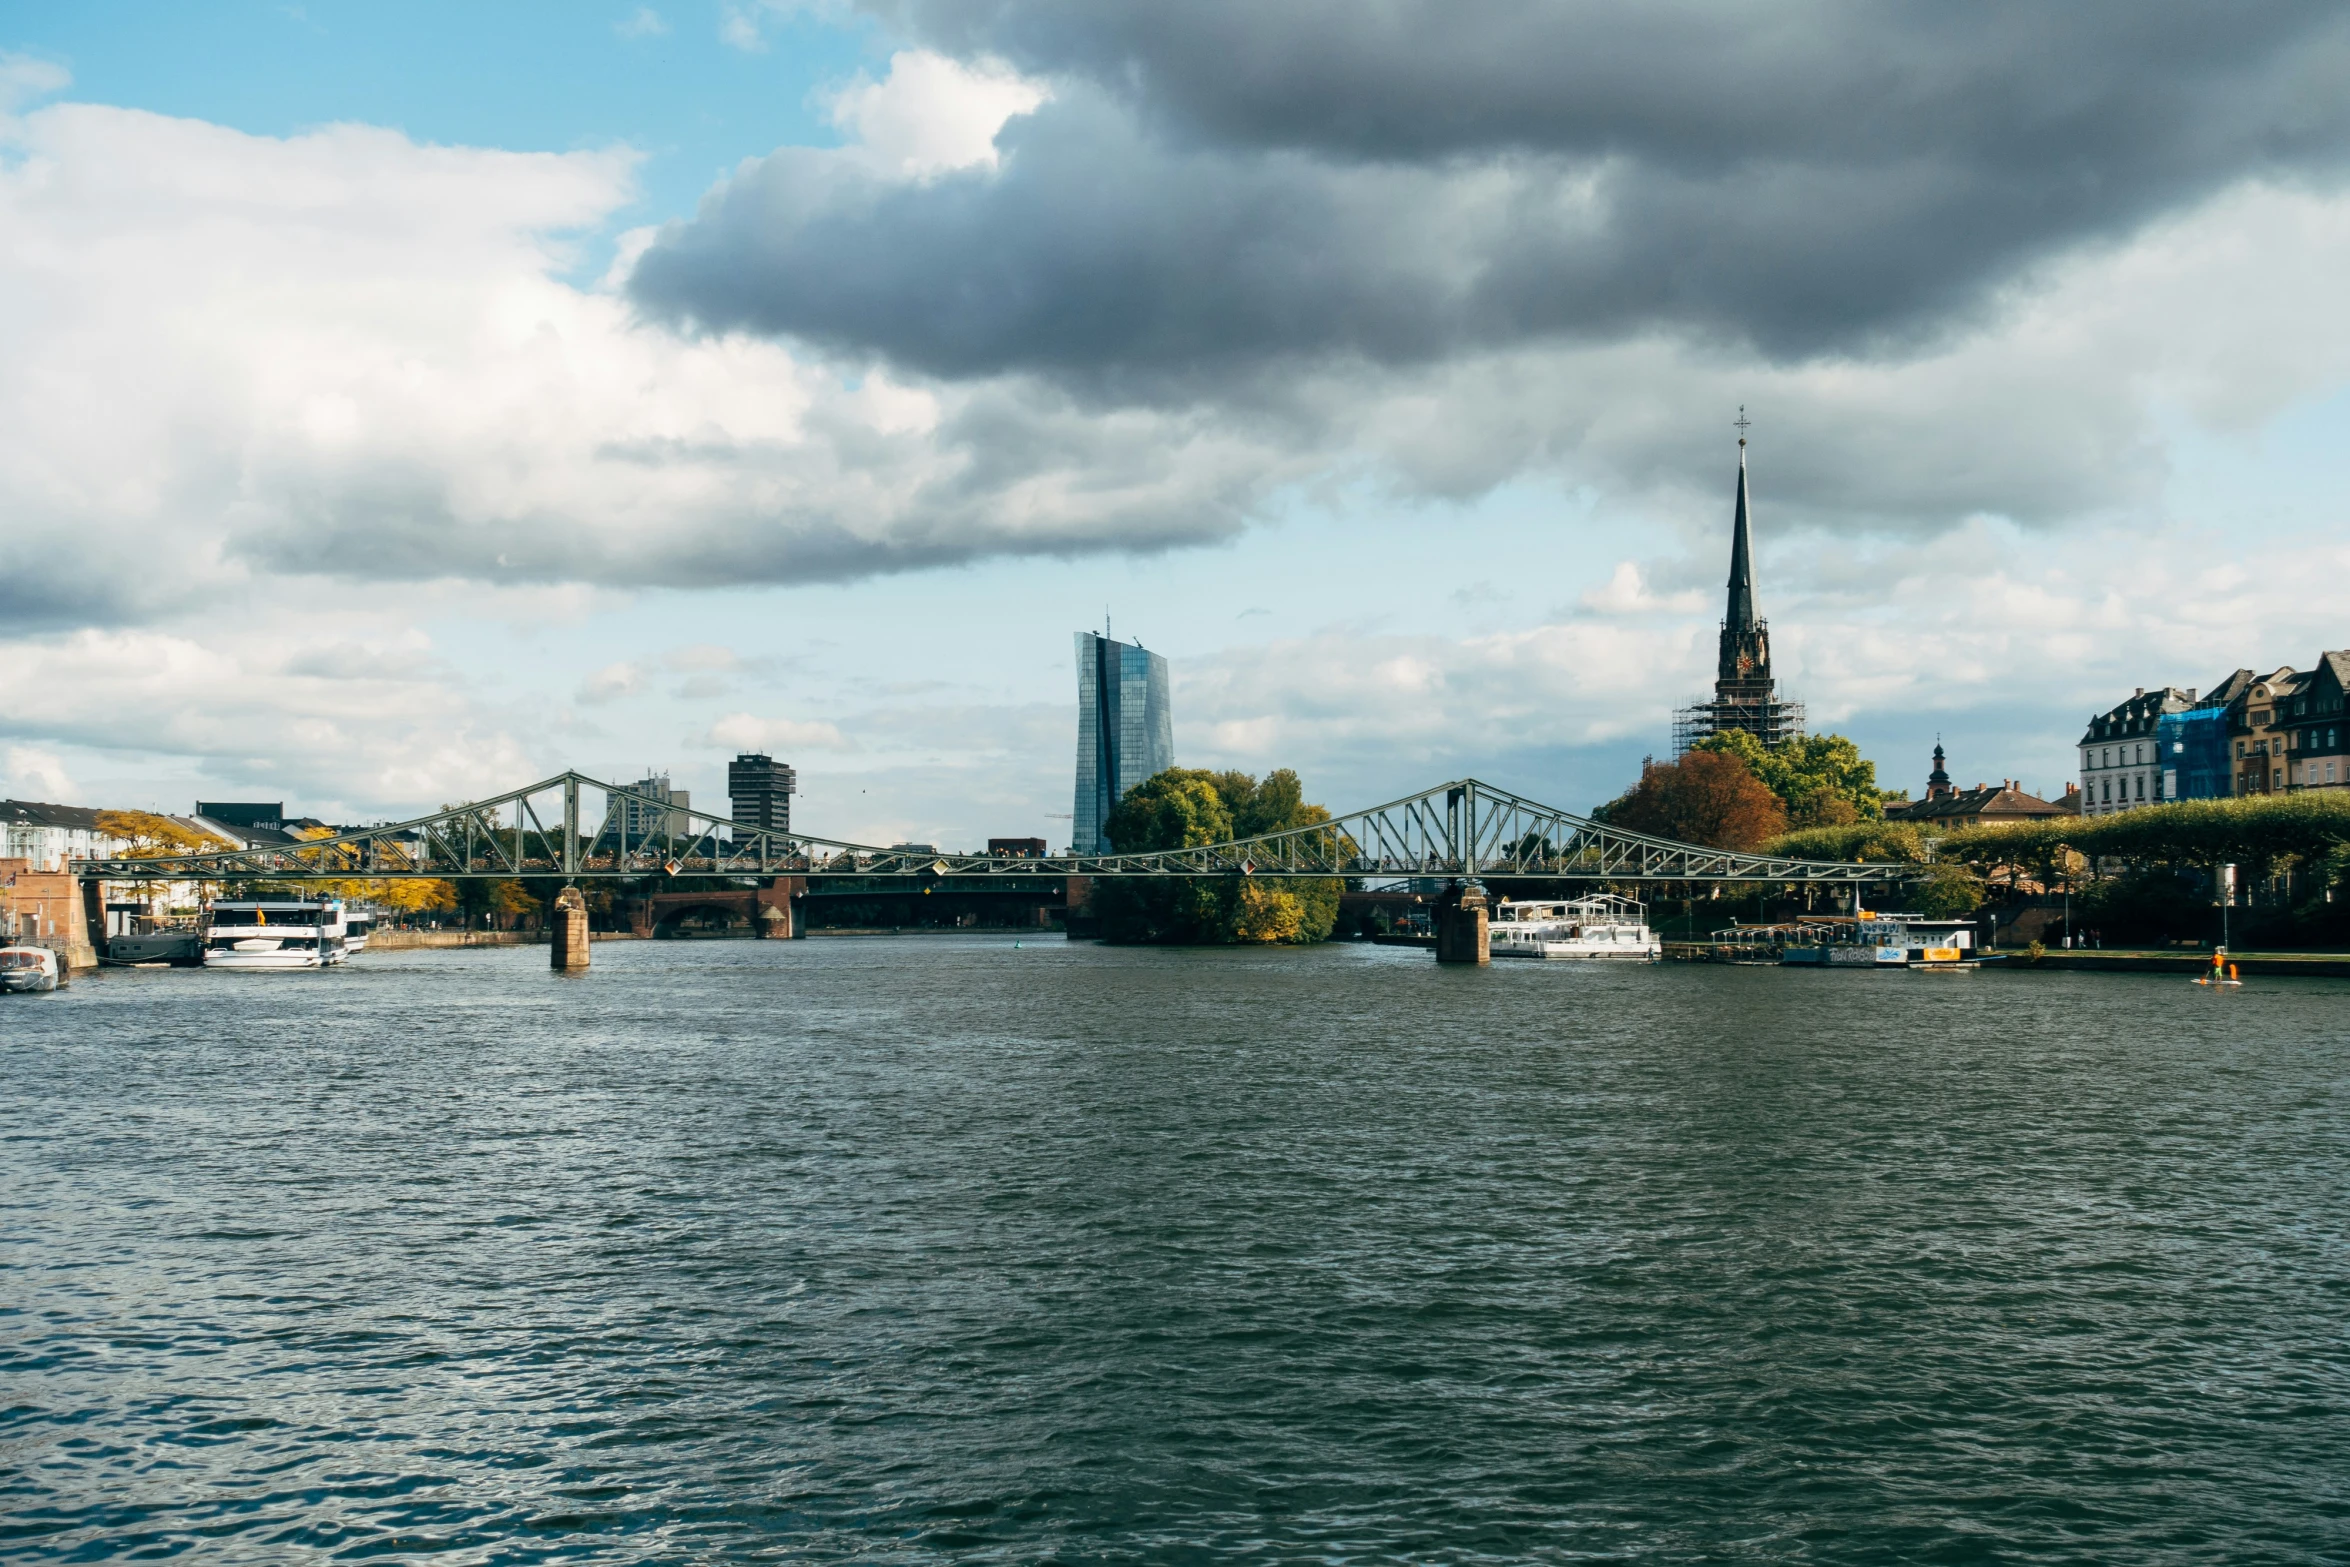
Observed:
{"x":1464,"y":829}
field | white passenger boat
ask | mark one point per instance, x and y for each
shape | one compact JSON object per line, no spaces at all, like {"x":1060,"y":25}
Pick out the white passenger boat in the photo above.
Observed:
{"x":1605,"y":926}
{"x":273,"y":933}
{"x":27,"y":969}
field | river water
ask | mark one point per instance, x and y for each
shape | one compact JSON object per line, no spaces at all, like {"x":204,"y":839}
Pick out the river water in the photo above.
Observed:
{"x":938,"y":1248}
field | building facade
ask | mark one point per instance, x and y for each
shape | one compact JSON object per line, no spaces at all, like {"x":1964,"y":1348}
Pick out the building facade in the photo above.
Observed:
{"x":2257,"y":727}
{"x":1745,"y":695}
{"x":2317,"y":728}
{"x":662,"y":816}
{"x":1125,"y":731}
{"x":45,"y":836}
{"x":2121,"y":761}
{"x":2193,"y":745}
{"x":759,"y":790}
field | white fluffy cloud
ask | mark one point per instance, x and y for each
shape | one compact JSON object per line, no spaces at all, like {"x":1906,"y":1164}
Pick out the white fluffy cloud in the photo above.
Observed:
{"x":34,"y":773}
{"x":932,"y":113}
{"x":359,"y":721}
{"x":347,"y":354}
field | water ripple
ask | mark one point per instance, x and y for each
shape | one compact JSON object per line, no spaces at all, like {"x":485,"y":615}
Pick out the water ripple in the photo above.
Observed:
{"x":922,"y":1249}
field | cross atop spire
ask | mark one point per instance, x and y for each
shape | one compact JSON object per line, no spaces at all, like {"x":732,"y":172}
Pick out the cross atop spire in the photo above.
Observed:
{"x":1742,"y":422}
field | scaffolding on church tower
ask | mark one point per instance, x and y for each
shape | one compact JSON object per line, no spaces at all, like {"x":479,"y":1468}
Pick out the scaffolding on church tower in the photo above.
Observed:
{"x":1745,"y":696}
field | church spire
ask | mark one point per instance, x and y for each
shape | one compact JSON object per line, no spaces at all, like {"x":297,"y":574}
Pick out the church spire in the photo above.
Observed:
{"x":1745,"y":695}
{"x":1741,"y":612}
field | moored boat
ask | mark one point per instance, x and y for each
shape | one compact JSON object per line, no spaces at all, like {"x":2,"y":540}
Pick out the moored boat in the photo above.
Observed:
{"x":179,"y":948}
{"x":1604,"y":926}
{"x":27,"y":970}
{"x":1875,"y":940}
{"x":274,"y":933}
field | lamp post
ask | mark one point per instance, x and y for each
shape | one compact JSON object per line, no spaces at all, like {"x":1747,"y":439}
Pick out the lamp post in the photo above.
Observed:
{"x":2227,"y":896}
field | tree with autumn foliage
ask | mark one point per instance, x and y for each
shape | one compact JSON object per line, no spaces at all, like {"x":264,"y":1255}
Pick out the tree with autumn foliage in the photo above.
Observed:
{"x":1707,"y":797}
{"x":143,"y":835}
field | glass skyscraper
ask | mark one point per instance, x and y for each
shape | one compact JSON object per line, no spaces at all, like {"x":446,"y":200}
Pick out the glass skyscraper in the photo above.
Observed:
{"x":1125,"y":730}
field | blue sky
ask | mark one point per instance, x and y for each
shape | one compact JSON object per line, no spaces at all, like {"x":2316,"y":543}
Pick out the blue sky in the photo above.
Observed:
{"x":545,"y":77}
{"x":844,"y":460}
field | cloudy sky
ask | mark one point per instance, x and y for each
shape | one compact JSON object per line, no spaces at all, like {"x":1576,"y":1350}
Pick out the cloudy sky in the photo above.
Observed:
{"x":402,"y":402}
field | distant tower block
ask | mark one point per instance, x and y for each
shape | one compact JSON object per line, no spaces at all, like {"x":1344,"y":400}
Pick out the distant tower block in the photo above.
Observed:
{"x":759,"y":790}
{"x":1125,"y":731}
{"x":1745,"y":696}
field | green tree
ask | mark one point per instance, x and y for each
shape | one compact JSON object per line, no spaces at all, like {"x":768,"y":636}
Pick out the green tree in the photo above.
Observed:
{"x":1821,"y":780}
{"x":1947,"y":892}
{"x":1184,"y":808}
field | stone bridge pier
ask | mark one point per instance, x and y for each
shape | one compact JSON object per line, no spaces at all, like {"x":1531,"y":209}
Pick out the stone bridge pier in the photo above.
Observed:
{"x":567,"y":946}
{"x":1463,"y":931}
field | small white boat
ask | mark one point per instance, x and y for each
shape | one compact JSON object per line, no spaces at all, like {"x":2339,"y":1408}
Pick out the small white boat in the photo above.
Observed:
{"x":356,"y":929}
{"x":272,"y":933}
{"x":1604,"y":926}
{"x":26,"y":970}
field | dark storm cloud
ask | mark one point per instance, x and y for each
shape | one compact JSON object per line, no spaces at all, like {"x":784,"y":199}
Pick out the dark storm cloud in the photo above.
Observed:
{"x":1217,"y":185}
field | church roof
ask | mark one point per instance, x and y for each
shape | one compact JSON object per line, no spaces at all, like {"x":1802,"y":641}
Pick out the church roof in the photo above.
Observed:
{"x":2002,"y":801}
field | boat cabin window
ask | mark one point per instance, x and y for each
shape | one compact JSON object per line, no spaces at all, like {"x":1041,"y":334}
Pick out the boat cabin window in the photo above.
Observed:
{"x":21,"y":959}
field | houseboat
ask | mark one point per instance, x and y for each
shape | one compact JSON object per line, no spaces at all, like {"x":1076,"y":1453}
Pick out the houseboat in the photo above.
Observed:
{"x":1604,"y":926}
{"x":274,"y":933}
{"x":1875,"y":940}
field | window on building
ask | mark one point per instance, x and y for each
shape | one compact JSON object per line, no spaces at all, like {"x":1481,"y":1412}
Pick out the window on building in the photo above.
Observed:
{"x":2239,"y":748}
{"x":2141,"y":786}
{"x":2109,"y":790}
{"x":2329,"y":772}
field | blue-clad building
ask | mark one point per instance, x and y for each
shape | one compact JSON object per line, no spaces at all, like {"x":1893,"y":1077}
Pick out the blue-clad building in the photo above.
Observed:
{"x":2193,"y":746}
{"x":1125,"y":731}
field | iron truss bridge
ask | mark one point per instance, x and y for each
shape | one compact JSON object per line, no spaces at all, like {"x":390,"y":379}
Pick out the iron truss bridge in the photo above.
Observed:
{"x":1464,"y":829}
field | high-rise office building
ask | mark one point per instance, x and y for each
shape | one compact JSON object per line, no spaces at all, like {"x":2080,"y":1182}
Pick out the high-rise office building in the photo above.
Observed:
{"x":1125,"y":731}
{"x":641,"y":819}
{"x":759,"y":790}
